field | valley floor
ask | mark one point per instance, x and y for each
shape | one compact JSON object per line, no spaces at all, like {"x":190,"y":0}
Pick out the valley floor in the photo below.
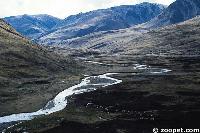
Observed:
{"x":143,"y":101}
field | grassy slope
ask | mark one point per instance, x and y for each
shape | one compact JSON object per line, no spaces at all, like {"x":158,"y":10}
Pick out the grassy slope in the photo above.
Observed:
{"x":180,"y":39}
{"x":27,"y":72}
{"x":104,"y":42}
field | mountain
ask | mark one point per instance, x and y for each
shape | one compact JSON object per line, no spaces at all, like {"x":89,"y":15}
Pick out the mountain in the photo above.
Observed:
{"x":27,"y":71}
{"x":136,"y":38}
{"x":178,"y":11}
{"x":174,"y":40}
{"x":33,"y":26}
{"x":102,"y":20}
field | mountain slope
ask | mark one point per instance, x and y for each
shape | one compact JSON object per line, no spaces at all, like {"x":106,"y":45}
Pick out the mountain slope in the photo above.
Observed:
{"x":32,"y":26}
{"x":29,"y":73}
{"x":102,"y":20}
{"x":178,"y":11}
{"x":175,"y":40}
{"x":15,"y":46}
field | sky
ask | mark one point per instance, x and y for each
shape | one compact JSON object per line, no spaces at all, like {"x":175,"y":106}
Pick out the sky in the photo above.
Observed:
{"x":62,"y":8}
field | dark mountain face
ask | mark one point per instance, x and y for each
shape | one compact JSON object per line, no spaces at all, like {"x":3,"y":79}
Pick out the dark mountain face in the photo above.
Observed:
{"x":183,"y":10}
{"x":32,"y":26}
{"x":101,"y":20}
{"x":178,"y":11}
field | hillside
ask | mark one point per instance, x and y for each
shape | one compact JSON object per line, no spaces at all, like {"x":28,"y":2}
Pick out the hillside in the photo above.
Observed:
{"x":178,"y":11}
{"x":33,"y":26}
{"x":101,"y":20}
{"x":179,"y":39}
{"x":175,"y":40}
{"x":28,"y":71}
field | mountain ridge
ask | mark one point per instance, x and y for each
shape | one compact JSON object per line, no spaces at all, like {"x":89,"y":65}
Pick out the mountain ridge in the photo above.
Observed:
{"x":178,"y":11}
{"x":177,"y":39}
{"x":113,"y":18}
{"x":102,"y":20}
{"x":32,"y":26}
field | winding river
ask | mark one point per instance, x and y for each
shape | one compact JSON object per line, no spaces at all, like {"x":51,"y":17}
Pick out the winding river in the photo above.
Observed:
{"x":88,"y":84}
{"x":60,"y":101}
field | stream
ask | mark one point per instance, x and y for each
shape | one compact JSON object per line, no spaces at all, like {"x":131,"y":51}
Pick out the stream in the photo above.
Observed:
{"x":88,"y":84}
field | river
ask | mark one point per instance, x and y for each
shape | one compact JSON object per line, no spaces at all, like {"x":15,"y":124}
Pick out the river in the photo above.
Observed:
{"x":88,"y":84}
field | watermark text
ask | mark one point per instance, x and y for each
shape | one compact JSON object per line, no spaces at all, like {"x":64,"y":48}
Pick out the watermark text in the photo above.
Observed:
{"x":180,"y":130}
